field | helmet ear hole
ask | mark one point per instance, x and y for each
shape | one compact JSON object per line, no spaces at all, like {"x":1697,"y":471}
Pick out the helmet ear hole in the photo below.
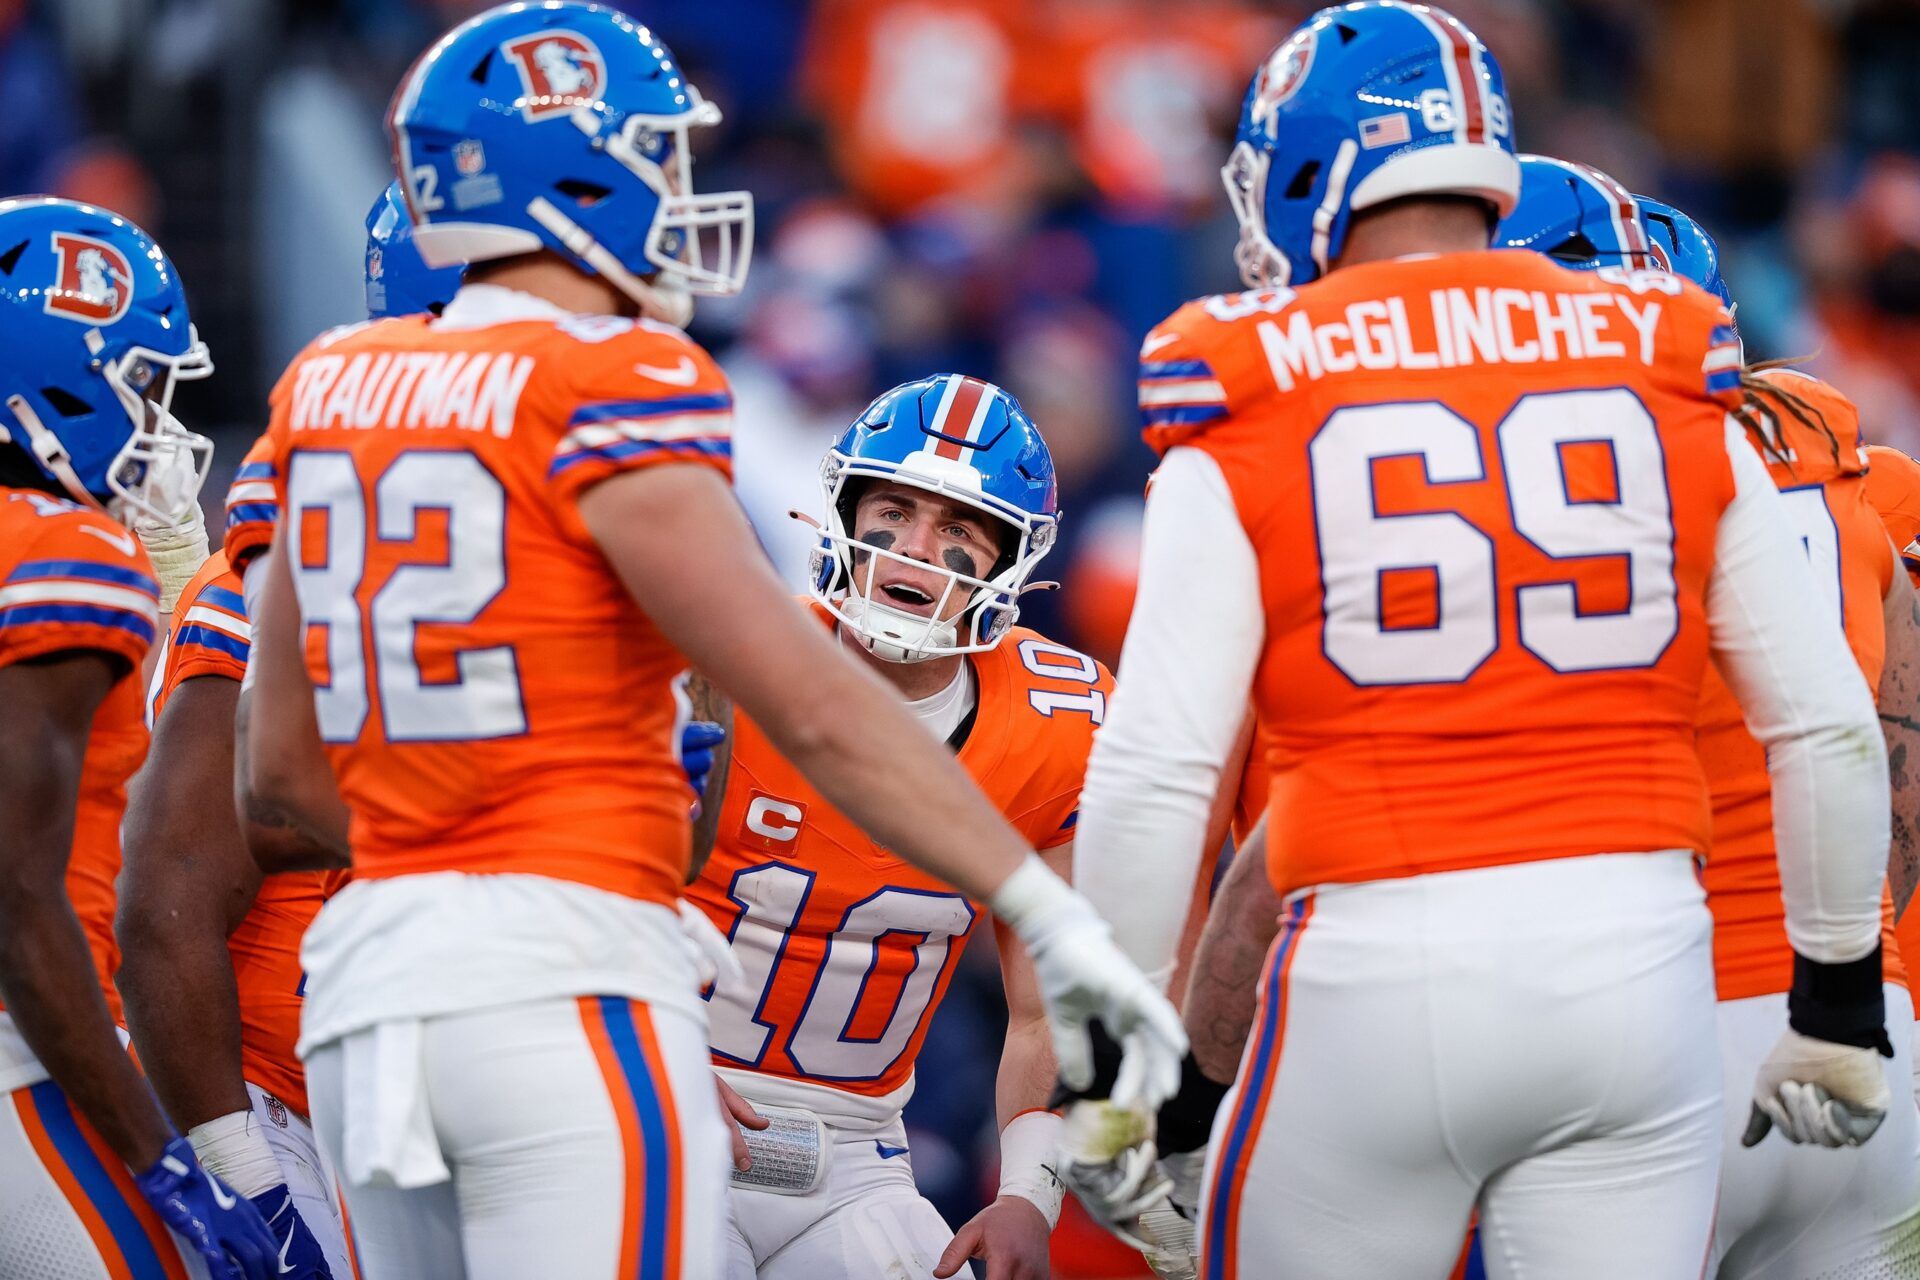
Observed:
{"x":65,"y":403}
{"x":1302,"y":185}
{"x":581,"y":192}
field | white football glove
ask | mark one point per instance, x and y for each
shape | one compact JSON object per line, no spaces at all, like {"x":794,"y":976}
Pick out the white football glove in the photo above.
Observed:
{"x":1185,"y":1170}
{"x":1106,"y":1158}
{"x":1816,"y":1091}
{"x":1082,"y":975}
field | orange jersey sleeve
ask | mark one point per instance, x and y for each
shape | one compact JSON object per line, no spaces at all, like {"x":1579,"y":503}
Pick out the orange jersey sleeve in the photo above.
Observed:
{"x":210,"y":635}
{"x":1824,"y":481}
{"x":73,"y":580}
{"x":1483,"y":492}
{"x":847,"y":948}
{"x":1893,"y":487}
{"x":253,"y":504}
{"x":490,"y":697}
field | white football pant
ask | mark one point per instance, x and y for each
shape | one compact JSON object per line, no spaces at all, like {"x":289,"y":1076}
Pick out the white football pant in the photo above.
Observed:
{"x":68,"y":1208}
{"x":564,"y":1138}
{"x":1535,"y":1041}
{"x":309,"y":1181}
{"x":1810,"y":1213}
{"x":865,"y":1221}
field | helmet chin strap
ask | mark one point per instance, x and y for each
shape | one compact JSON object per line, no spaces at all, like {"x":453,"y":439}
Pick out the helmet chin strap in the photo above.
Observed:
{"x":49,"y":452}
{"x":894,"y":635}
{"x":669,"y":306}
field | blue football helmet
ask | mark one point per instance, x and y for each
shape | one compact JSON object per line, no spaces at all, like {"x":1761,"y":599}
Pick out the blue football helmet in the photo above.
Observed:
{"x":1576,"y":215}
{"x":970,"y":442}
{"x":566,"y":126}
{"x":398,"y":282}
{"x":1688,"y":249}
{"x":1363,"y":104}
{"x":97,"y":336}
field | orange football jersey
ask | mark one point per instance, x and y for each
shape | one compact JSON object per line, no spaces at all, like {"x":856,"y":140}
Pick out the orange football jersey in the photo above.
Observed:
{"x":1823,"y":483}
{"x":847,"y":949}
{"x":1484,"y":493}
{"x":490,"y":697}
{"x":211,"y":637}
{"x":1893,"y":487}
{"x":71,"y":579}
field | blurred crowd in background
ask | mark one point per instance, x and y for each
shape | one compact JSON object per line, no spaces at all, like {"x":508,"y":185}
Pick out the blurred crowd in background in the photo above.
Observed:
{"x":1016,"y":189}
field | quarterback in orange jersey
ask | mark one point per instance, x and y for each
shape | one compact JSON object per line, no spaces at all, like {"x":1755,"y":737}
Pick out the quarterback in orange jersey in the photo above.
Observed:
{"x":504,"y":533}
{"x":1467,"y":526}
{"x":1779,"y":1214}
{"x":940,"y":503}
{"x":91,"y":1173}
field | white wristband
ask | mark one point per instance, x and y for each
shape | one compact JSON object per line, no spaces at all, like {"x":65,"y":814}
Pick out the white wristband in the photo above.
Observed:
{"x":1037,"y":904}
{"x":234,"y":1148}
{"x":1029,"y":1154}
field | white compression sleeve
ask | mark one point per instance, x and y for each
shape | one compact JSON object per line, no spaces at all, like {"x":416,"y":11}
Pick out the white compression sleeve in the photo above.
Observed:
{"x":1176,"y":712}
{"x":1804,"y":698}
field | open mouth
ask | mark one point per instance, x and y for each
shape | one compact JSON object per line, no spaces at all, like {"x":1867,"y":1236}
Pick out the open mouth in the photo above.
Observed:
{"x":910,"y":598}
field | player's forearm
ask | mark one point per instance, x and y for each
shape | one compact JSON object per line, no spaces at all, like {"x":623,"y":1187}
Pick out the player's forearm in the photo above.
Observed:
{"x":1176,"y":713}
{"x":1899,"y":707}
{"x":1219,"y":1006}
{"x":53,"y":996}
{"x":289,"y":824}
{"x":1804,"y":698}
{"x":1026,"y":1076}
{"x":284,"y":789}
{"x":183,"y":1010}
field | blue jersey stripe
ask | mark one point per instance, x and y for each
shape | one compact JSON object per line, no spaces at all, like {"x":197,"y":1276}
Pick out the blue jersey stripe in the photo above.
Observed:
{"x":615,"y":410}
{"x":255,"y":471}
{"x":221,"y":596}
{"x":87,"y":570}
{"x":253,"y":513}
{"x":1175,"y":369}
{"x":710,"y":447}
{"x":136,"y":1248}
{"x":1182,"y":415}
{"x":213,"y":638}
{"x":86,"y":615}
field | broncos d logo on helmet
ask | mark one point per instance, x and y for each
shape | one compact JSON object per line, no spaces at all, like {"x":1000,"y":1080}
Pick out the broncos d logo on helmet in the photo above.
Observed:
{"x":1282,"y":75}
{"x":94,"y":283}
{"x":560,"y":70}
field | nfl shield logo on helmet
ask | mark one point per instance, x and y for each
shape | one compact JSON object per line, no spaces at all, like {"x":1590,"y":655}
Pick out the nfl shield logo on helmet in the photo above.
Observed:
{"x":376,"y":263}
{"x":1282,"y":76}
{"x":469,"y":157}
{"x":559,"y":70}
{"x":94,"y":280}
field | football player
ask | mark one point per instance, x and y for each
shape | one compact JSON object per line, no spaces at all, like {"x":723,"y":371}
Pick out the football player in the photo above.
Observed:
{"x":500,"y":529}
{"x":210,"y":964}
{"x":1467,"y":525}
{"x":939,"y":505}
{"x":1786,"y":1211}
{"x":98,"y":334}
